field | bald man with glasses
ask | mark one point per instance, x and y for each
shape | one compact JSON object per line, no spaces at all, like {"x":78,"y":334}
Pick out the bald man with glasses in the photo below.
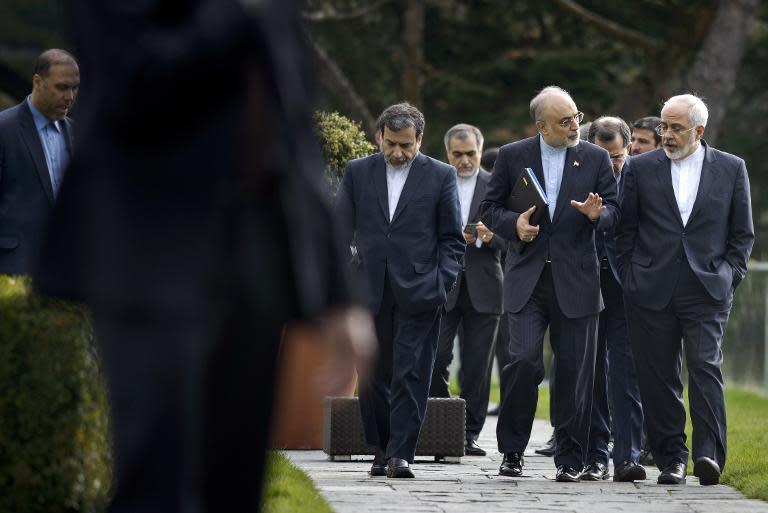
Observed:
{"x":682,"y":248}
{"x":551,"y":278}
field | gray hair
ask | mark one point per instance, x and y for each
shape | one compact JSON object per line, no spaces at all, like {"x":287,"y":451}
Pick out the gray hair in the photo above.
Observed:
{"x":606,"y":128}
{"x":463,"y":131}
{"x":697,"y":110}
{"x":401,"y":116}
{"x":536,"y":104}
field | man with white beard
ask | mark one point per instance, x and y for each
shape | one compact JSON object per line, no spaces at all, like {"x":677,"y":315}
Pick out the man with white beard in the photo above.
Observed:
{"x":682,"y":247}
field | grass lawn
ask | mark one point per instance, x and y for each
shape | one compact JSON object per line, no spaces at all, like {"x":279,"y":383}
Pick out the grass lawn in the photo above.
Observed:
{"x":288,"y":489}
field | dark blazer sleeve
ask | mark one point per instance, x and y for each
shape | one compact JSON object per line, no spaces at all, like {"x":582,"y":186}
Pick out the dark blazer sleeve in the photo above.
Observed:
{"x":450,"y":239}
{"x":493,"y":211}
{"x":741,"y":231}
{"x":626,"y":232}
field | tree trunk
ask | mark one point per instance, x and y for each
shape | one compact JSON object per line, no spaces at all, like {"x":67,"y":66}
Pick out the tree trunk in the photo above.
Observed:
{"x":714,"y":71}
{"x":413,"y":58}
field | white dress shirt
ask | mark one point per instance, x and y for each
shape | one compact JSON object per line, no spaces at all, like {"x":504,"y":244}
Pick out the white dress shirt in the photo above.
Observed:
{"x":395,"y":181}
{"x":466,"y":186}
{"x":552,"y":162}
{"x":686,"y":174}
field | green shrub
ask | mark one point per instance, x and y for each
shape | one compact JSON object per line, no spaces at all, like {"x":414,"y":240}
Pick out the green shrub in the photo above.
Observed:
{"x":342,"y":140}
{"x":54,"y":443}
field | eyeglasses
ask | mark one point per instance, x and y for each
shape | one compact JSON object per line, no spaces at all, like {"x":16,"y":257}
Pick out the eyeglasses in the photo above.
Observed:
{"x":677,"y":131}
{"x":567,"y":121}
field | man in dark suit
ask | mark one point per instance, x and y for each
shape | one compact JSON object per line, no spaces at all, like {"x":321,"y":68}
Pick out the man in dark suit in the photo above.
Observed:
{"x":551,"y":278}
{"x":475,"y":301}
{"x":615,"y":375}
{"x":35,"y":149}
{"x":682,"y":248}
{"x":402,"y":210}
{"x":191,"y":249}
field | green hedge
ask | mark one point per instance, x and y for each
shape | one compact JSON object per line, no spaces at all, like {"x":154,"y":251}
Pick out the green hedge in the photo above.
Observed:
{"x":342,"y":141}
{"x":54,"y":442}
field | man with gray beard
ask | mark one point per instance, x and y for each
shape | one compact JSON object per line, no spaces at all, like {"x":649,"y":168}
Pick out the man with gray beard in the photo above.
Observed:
{"x":475,"y":302}
{"x":682,"y":248}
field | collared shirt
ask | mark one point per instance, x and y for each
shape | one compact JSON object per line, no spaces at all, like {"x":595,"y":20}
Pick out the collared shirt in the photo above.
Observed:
{"x":686,"y":174}
{"x":553,"y":162}
{"x":466,"y":186}
{"x":54,"y":143}
{"x":395,"y":182}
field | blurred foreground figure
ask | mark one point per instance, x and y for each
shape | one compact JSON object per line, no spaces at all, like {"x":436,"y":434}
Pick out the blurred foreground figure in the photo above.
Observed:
{"x":194,"y":226}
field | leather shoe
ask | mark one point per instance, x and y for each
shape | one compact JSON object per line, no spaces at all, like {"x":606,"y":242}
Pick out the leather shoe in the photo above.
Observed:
{"x":549,"y":448}
{"x":673,"y":474}
{"x":594,"y":472}
{"x":707,"y":470}
{"x":379,"y":467}
{"x":566,"y":474}
{"x":397,"y":468}
{"x":646,"y":458}
{"x":628,"y":471}
{"x":472,"y":449}
{"x":512,"y":465}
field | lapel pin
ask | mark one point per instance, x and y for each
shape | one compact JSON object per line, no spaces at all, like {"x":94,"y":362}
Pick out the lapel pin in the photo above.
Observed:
{"x":575,"y":163}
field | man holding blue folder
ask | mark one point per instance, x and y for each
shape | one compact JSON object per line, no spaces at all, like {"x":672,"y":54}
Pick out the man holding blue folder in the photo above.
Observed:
{"x":551,"y":278}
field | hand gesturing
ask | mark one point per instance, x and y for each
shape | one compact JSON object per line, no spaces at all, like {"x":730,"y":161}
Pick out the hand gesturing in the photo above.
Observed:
{"x":591,"y":207}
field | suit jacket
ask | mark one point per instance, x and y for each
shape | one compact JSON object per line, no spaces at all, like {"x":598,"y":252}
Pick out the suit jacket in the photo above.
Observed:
{"x":652,"y":241}
{"x":605,"y":240}
{"x":26,"y":194}
{"x":150,"y":207}
{"x":420,"y":250}
{"x":568,"y":240}
{"x":482,"y":273}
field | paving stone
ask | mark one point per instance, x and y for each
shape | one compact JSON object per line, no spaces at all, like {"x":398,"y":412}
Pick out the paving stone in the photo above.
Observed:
{"x":474,"y":486}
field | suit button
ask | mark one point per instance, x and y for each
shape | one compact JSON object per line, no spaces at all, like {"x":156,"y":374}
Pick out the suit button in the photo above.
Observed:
{"x":389,"y":235}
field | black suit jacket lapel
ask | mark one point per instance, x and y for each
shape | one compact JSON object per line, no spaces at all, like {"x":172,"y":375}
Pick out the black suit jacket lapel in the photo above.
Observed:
{"x":415,"y":176}
{"x":664,"y":176}
{"x":477,"y":196}
{"x":67,"y":126}
{"x":708,"y":176}
{"x":35,"y":147}
{"x":570,"y":174}
{"x":380,"y":183}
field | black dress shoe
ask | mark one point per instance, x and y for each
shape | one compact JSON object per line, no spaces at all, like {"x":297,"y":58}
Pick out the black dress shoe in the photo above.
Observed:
{"x":627,"y":471}
{"x":549,"y":448}
{"x":472,"y":449}
{"x":566,"y":474}
{"x":673,"y":474}
{"x":512,"y":465}
{"x":707,"y":470}
{"x":379,"y":467}
{"x":397,"y":468}
{"x":594,"y":472}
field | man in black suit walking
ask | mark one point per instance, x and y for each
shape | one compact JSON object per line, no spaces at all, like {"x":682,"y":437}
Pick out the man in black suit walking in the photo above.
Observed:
{"x":475,"y":302}
{"x":191,"y":249}
{"x":615,"y":375}
{"x":35,"y":150}
{"x":551,"y":278}
{"x":401,"y":209}
{"x":682,"y":248}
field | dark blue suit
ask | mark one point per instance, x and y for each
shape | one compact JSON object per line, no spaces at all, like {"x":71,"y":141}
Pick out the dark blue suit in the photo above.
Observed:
{"x":679,"y":282}
{"x":26,"y":194}
{"x":615,"y":365}
{"x":553,"y":281}
{"x":408,"y":266}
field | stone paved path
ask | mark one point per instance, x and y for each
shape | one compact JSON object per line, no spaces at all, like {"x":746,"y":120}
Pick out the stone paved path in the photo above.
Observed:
{"x":475,"y":486}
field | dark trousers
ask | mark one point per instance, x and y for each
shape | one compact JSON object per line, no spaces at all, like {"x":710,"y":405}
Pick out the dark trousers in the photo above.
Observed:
{"x":476,"y":355}
{"x":616,"y":393}
{"x":573,"y":344}
{"x":394,"y":403}
{"x":693,"y":316}
{"x":502,"y":350}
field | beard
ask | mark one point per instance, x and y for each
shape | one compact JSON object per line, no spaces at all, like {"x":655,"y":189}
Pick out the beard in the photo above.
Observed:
{"x":680,"y":151}
{"x":571,"y":142}
{"x":401,"y":164}
{"x":465,"y":172}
